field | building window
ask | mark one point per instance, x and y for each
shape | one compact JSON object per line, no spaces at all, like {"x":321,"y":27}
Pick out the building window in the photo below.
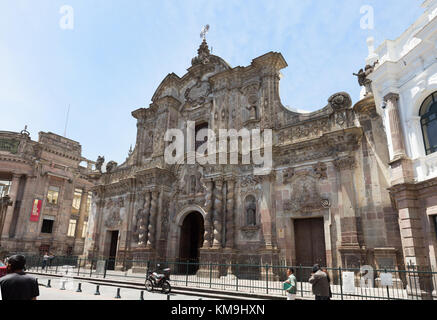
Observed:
{"x":72,"y":228}
{"x":250,"y":211}
{"x":5,"y":186}
{"x":428,"y":119}
{"x":84,"y":229}
{"x":75,"y":208}
{"x":47,"y":225}
{"x":52,"y":195}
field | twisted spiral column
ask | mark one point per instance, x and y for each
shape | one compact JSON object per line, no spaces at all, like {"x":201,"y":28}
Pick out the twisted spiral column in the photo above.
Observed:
{"x":151,"y":238}
{"x":218,"y":208}
{"x":143,"y":222}
{"x":230,"y":214}
{"x":207,"y":240}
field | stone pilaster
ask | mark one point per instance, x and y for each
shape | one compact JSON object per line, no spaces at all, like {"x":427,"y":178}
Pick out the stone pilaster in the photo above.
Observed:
{"x":207,"y":242}
{"x":230,"y":221}
{"x":82,"y":214}
{"x":413,"y":240}
{"x":218,"y":214}
{"x":144,"y":221}
{"x":349,"y":244}
{"x":151,"y":237}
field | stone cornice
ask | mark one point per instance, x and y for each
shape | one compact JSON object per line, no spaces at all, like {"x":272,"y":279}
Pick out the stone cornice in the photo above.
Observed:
{"x":414,"y":187}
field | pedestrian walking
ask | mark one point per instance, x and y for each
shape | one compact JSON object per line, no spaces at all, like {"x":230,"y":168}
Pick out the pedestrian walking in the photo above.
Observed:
{"x":18,"y":285}
{"x":320,"y":284}
{"x":291,"y":281}
{"x":329,"y":281}
{"x":46,"y":259}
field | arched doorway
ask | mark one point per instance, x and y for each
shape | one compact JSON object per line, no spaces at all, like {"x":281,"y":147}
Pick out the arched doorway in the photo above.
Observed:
{"x":190,"y":242}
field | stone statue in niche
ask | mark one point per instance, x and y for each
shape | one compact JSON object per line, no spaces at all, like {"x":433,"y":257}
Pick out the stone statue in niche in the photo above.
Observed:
{"x":250,"y":211}
{"x":252,"y":112}
{"x":148,"y":145}
{"x":192,"y":184}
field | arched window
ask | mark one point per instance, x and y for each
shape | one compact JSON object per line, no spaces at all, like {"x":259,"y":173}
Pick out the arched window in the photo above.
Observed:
{"x":428,"y":119}
{"x":250,"y":211}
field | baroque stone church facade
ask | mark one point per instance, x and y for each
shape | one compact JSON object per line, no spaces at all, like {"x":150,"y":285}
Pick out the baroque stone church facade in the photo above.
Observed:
{"x":325,"y":200}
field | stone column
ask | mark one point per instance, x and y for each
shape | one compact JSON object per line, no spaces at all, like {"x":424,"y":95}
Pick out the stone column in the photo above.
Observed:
{"x":207,"y":239}
{"x":397,"y":135}
{"x":230,"y":223}
{"x":144,"y":221}
{"x":151,"y":237}
{"x":10,"y":210}
{"x":5,"y":202}
{"x":100,"y":205}
{"x":218,"y":214}
{"x":401,"y":166}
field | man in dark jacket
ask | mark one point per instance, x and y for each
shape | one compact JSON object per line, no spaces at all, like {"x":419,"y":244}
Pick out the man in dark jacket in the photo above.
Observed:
{"x":320,"y":284}
{"x":17,"y":285}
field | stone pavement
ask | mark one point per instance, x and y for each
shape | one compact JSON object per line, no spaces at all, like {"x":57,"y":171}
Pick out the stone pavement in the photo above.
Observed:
{"x":254,"y":288}
{"x":106,"y":292}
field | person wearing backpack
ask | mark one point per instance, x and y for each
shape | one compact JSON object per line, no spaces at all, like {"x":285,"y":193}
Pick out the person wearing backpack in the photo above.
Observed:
{"x":291,"y":291}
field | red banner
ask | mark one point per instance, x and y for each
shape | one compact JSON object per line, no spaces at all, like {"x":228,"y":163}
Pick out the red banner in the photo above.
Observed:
{"x":36,"y":210}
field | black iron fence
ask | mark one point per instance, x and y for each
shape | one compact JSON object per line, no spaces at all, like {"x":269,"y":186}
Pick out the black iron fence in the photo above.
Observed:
{"x":364,"y":283}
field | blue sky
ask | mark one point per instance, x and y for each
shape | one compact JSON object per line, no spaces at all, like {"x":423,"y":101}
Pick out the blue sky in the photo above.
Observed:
{"x":119,"y":51}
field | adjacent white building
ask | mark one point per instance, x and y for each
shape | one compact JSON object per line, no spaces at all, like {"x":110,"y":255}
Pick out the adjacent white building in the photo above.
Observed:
{"x":404,"y":85}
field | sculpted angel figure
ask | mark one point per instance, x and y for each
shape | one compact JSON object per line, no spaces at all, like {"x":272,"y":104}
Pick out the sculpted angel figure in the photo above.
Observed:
{"x":362,"y":75}
{"x":99,"y":163}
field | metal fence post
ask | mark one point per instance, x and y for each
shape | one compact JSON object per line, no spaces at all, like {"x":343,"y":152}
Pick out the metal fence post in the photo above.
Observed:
{"x":267,"y":278}
{"x":91,"y":268}
{"x":341,"y":283}
{"x":104,"y":272}
{"x":237,"y":273}
{"x":186,"y":279}
{"x":301,"y":280}
{"x":388,"y":291}
{"x":78,"y":268}
{"x":210,"y":275}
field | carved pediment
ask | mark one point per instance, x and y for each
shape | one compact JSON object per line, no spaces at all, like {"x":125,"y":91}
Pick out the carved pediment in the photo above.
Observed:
{"x":198,"y":93}
{"x":305,"y":196}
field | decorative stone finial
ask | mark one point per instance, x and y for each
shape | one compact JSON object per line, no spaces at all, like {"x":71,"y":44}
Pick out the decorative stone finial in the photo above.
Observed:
{"x":24,"y":132}
{"x":203,"y":52}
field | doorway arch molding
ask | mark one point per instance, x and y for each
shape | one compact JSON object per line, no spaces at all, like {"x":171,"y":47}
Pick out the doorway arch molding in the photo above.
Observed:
{"x":186,"y":211}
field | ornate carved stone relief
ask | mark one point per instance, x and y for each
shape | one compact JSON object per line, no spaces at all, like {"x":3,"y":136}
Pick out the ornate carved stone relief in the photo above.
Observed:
{"x":304,"y":195}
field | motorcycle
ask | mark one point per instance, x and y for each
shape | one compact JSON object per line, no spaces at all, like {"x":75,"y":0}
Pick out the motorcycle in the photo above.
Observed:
{"x":158,"y":280}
